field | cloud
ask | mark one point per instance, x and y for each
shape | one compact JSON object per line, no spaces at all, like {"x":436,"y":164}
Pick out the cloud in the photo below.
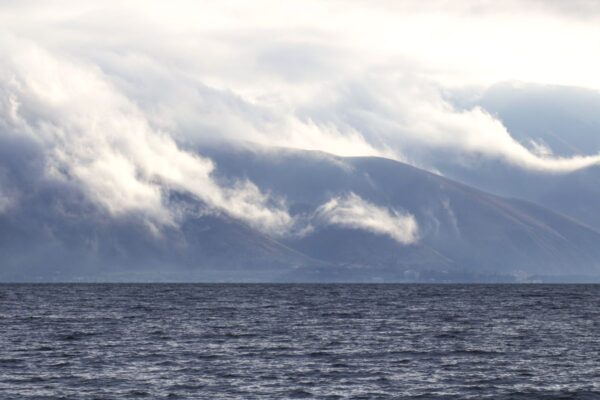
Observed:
{"x":351,"y":211}
{"x":413,"y":120}
{"x":540,"y":148}
{"x":350,"y":78}
{"x":92,"y":134}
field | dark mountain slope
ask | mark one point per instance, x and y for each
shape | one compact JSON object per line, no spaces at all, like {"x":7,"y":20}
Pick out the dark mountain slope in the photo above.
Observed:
{"x":462,"y":229}
{"x":464,"y":234}
{"x":39,"y":242}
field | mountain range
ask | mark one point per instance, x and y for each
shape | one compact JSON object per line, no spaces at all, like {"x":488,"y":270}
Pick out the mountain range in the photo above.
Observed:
{"x":357,"y":219}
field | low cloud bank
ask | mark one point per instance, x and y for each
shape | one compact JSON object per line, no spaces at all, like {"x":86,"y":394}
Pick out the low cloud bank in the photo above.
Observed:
{"x":330,"y":81}
{"x":91,"y":134}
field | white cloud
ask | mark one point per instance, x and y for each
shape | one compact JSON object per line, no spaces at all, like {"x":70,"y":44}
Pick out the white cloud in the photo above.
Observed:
{"x":350,"y":78}
{"x":539,"y":148}
{"x":94,"y":135}
{"x":351,"y":211}
{"x":412,"y":118}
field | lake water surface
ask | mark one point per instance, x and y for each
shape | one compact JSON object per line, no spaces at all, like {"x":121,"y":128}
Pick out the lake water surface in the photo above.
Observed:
{"x":212,"y":341}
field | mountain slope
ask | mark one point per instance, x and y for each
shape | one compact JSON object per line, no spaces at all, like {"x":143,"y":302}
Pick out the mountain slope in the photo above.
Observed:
{"x":461,"y":233}
{"x":575,"y":194}
{"x":463,"y":230}
{"x":56,"y":235}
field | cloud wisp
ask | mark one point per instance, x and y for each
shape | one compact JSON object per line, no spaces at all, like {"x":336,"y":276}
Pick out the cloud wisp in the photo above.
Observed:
{"x":351,"y":211}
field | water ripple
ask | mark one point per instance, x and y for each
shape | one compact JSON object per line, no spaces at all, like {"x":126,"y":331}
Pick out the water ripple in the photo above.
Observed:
{"x":299,"y":341}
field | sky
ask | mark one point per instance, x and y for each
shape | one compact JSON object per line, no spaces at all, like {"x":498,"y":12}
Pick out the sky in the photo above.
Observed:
{"x":114,"y":93}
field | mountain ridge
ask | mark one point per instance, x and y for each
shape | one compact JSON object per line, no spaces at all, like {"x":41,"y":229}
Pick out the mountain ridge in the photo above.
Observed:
{"x":464,"y":234}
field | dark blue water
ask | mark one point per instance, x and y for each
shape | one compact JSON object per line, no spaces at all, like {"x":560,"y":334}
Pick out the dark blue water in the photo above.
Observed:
{"x":299,"y":341}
